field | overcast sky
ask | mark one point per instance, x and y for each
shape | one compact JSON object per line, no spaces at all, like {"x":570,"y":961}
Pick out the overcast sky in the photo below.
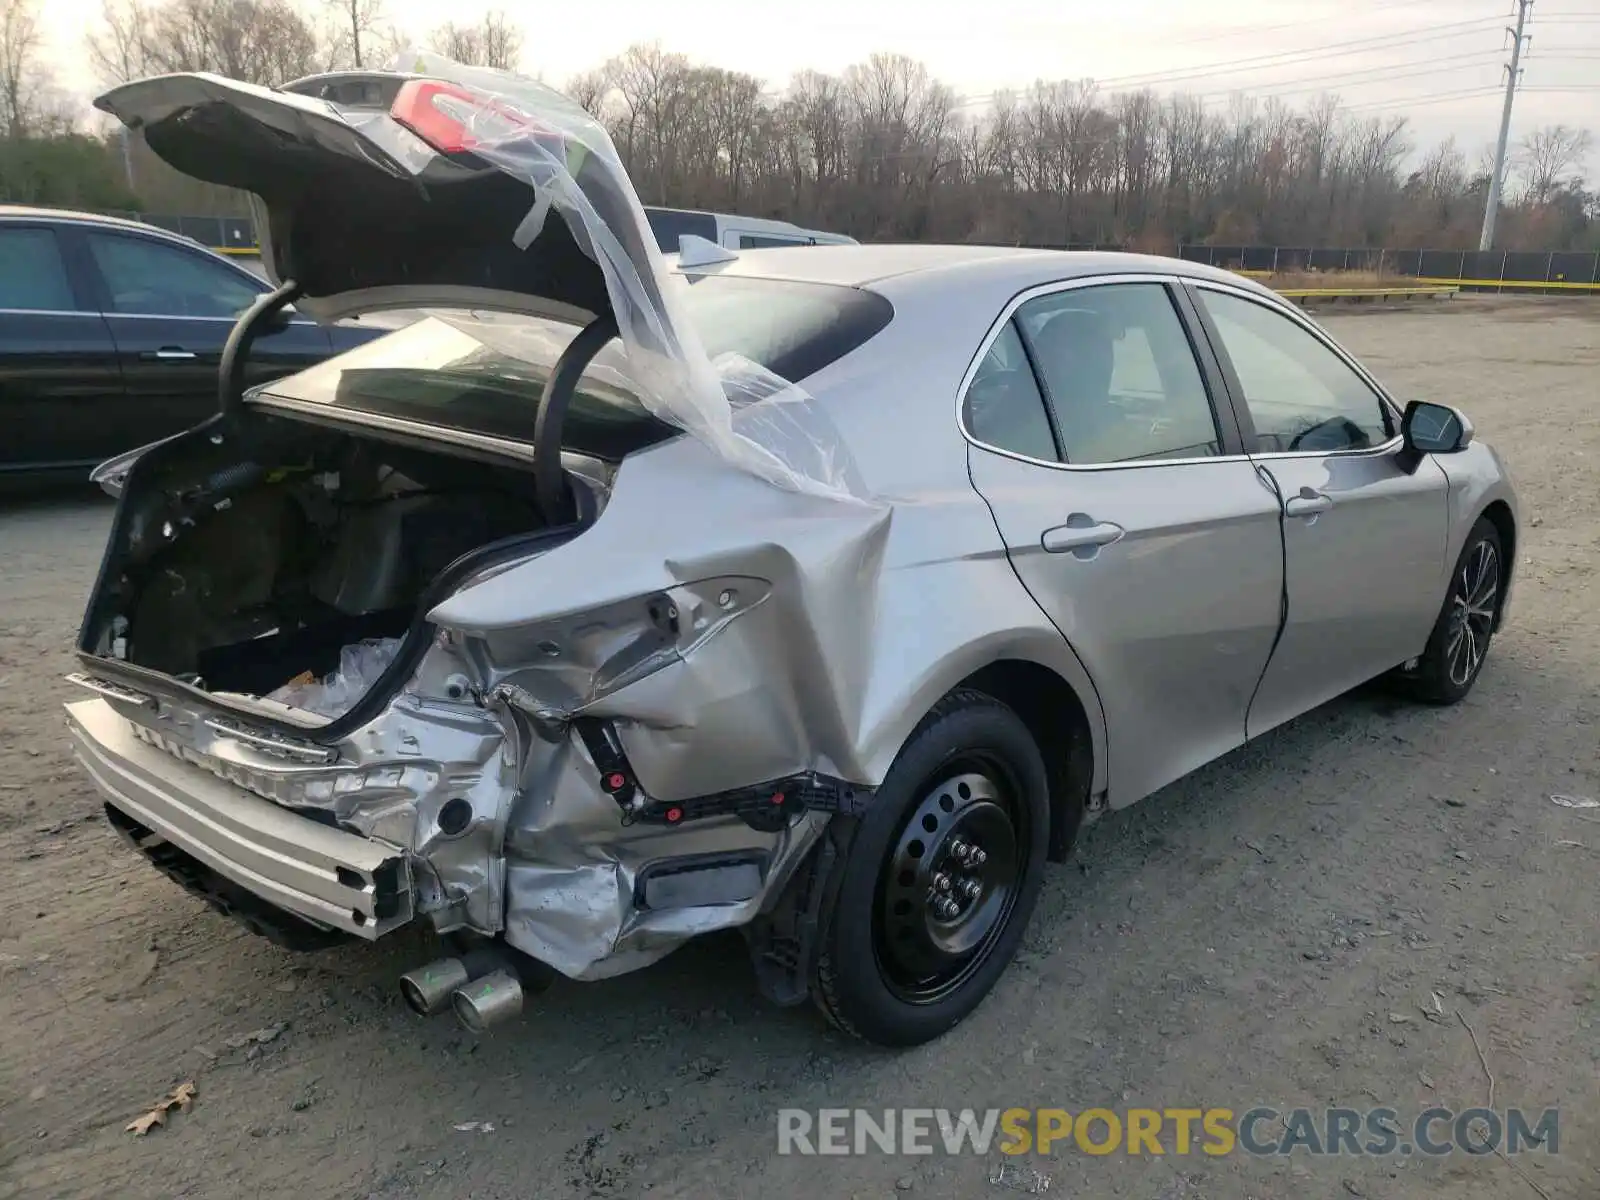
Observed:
{"x":1413,"y":57}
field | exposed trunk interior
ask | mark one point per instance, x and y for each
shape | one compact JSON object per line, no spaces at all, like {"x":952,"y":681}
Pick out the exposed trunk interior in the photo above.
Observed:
{"x":247,"y":564}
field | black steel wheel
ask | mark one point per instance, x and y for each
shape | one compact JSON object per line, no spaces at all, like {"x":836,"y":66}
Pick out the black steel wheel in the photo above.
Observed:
{"x":950,"y":884}
{"x":1460,"y":641}
{"x":936,"y":883}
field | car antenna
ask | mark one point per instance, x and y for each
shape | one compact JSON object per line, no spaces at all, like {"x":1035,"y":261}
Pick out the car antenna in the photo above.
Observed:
{"x":696,"y":251}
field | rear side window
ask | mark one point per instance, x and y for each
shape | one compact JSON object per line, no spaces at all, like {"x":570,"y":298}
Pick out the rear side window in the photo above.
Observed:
{"x":1004,"y":408}
{"x":484,"y":373}
{"x":33,"y":277}
{"x":1120,"y":374}
{"x":670,"y":224}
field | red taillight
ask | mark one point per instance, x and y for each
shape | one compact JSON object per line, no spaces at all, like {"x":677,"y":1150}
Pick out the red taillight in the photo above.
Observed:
{"x":414,"y":108}
{"x":454,"y":119}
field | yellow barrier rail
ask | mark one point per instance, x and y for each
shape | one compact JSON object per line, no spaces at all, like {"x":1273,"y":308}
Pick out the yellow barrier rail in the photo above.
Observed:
{"x":1379,"y":291}
{"x":1436,"y":281}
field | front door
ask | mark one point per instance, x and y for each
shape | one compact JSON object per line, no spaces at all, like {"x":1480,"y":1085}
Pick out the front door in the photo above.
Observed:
{"x":170,"y":311}
{"x":1132,"y":518}
{"x":1364,"y":540}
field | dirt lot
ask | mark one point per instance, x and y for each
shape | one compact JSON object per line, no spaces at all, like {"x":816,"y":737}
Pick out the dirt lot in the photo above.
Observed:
{"x":1268,"y":931}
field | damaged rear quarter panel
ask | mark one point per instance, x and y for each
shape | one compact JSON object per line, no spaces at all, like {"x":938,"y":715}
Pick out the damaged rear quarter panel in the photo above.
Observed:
{"x":874,"y":611}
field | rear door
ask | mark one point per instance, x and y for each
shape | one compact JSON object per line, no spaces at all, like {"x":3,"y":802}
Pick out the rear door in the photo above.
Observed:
{"x":170,"y":310}
{"x":1364,"y":538}
{"x":1104,"y":445}
{"x":59,"y":382}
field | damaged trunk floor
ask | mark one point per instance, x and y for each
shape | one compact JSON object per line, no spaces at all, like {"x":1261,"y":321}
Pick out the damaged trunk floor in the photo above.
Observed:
{"x":1240,"y":938}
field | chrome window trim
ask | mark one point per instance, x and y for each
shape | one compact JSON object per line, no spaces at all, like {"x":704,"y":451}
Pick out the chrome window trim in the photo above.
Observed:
{"x":47,"y":312}
{"x":183,"y":317}
{"x":1276,"y":305}
{"x":1271,"y":302}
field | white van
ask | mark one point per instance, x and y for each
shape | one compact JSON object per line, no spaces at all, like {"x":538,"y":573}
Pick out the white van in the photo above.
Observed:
{"x":733,"y":232}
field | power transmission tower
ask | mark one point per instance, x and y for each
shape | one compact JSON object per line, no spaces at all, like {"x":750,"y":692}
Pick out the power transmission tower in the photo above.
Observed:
{"x":1519,"y":41}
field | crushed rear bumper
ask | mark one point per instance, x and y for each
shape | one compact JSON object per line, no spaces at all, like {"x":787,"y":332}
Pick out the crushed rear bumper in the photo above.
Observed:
{"x":328,"y":877}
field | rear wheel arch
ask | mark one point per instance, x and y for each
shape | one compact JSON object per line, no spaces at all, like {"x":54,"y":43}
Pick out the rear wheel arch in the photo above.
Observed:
{"x":1059,"y":721}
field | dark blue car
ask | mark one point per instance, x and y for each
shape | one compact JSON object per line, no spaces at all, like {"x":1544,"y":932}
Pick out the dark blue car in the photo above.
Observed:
{"x":110,"y":337}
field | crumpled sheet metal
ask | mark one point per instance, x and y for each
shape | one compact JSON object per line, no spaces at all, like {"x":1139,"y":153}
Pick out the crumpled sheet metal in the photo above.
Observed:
{"x":572,"y":870}
{"x":751,"y":417}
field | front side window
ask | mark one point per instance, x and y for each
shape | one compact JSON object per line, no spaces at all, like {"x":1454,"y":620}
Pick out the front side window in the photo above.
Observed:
{"x":146,"y":278}
{"x":1301,"y":395}
{"x":33,"y":276}
{"x":1003,"y":407}
{"x":1120,"y":374}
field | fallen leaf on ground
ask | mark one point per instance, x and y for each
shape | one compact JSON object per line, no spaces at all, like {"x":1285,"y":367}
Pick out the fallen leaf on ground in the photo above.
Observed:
{"x":180,"y":1098}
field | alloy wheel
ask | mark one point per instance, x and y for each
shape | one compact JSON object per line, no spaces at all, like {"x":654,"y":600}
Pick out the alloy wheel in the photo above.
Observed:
{"x":1472,"y":609}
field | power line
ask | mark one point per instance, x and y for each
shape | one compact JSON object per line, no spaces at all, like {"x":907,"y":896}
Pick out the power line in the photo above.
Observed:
{"x":1238,"y":30}
{"x":1417,"y":101}
{"x":1284,"y":58}
{"x":1383,"y":74}
{"x":1408,"y":37}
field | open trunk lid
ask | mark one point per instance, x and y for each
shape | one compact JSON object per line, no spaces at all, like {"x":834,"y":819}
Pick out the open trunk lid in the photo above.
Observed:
{"x":424,"y":203}
{"x":449,"y":187}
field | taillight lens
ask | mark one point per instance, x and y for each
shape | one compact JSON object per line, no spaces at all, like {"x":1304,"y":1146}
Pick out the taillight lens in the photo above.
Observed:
{"x":456,"y":120}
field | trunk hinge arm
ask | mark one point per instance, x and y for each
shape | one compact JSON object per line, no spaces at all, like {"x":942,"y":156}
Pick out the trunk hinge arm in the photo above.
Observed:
{"x":230,"y":373}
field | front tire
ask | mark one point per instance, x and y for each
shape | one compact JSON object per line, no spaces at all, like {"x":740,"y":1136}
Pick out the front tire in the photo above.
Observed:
{"x":931,"y":898}
{"x":1459,"y":644}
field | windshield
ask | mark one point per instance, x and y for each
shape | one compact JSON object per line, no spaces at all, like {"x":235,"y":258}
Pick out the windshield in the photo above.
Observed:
{"x":484,"y":372}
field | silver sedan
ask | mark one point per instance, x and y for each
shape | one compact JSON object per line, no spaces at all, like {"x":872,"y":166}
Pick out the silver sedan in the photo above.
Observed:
{"x":471,"y":627}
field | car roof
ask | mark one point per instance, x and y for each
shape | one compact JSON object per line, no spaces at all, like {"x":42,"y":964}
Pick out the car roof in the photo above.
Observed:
{"x":66,"y":214}
{"x":912,"y":266}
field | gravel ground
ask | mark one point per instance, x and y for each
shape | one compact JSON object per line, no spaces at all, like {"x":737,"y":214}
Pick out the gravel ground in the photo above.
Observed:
{"x":1249,"y":935}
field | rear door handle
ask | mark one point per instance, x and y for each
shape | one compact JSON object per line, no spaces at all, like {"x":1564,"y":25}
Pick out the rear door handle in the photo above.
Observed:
{"x":1081,"y":536}
{"x":1308,"y":503}
{"x":168,"y":354}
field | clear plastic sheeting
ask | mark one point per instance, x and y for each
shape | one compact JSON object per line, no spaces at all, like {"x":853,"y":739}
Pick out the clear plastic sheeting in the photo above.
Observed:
{"x":748,"y":415}
{"x":336,"y":693}
{"x":401,"y":204}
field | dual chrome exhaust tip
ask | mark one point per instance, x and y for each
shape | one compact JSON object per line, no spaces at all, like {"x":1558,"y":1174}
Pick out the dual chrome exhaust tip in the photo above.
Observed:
{"x":482,"y":988}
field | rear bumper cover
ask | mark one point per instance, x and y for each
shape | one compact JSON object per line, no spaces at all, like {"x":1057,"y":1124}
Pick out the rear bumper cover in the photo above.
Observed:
{"x":327,"y":876}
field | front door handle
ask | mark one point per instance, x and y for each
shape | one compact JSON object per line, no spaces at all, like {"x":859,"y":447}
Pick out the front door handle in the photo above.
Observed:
{"x":168,"y":354}
{"x":1081,"y":536}
{"x":1308,"y":503}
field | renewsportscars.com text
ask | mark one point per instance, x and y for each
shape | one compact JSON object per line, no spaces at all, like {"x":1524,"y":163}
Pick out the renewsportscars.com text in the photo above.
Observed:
{"x":1259,"y":1131}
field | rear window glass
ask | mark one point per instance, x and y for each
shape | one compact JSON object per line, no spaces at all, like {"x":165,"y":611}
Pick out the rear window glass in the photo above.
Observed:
{"x":484,"y":372}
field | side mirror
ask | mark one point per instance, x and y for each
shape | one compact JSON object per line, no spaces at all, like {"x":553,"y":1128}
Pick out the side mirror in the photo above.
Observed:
{"x":1435,"y":429}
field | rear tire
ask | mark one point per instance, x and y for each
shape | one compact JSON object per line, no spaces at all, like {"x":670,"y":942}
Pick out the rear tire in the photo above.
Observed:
{"x":930,"y":900}
{"x":1459,"y":644}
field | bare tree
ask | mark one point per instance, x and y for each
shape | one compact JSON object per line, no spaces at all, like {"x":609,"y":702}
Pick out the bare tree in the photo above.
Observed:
{"x":259,"y":41}
{"x":22,"y":76}
{"x":117,"y":48}
{"x":356,"y":26}
{"x":492,"y":42}
{"x":883,"y":150}
{"x":1548,"y":157}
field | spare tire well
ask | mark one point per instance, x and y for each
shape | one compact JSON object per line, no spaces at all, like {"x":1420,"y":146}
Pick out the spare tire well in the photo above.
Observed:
{"x":1055,"y":716}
